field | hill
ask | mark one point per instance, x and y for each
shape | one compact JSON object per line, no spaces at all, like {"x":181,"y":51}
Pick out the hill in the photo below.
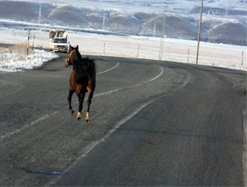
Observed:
{"x":178,"y":24}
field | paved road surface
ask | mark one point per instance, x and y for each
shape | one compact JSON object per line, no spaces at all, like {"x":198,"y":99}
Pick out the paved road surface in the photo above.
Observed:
{"x":152,"y":123}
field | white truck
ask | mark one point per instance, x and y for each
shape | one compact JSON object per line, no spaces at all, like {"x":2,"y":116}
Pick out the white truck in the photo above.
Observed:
{"x":58,"y":40}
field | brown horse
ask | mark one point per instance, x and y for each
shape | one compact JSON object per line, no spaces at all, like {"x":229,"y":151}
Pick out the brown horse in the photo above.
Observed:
{"x":82,"y":79}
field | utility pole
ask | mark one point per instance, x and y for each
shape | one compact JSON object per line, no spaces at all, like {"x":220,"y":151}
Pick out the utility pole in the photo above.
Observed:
{"x":162,"y":34}
{"x":103,"y":24}
{"x":40,"y":8}
{"x":227,"y":8}
{"x":28,"y":37}
{"x":154,"y":29}
{"x":199,"y":33}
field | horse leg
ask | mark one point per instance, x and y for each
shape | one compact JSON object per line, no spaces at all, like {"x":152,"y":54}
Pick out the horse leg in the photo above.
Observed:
{"x":90,"y":96}
{"x":81,"y":98}
{"x":69,"y":100}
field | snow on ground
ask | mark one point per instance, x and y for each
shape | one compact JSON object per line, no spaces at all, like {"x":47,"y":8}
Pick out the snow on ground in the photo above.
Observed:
{"x":15,"y":61}
{"x":183,"y":51}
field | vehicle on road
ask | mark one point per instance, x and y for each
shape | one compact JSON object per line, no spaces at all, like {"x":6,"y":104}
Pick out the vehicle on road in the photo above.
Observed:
{"x":58,"y":40}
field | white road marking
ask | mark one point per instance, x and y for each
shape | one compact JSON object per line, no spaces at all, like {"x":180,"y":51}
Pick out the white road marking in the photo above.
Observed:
{"x":115,"y":127}
{"x":9,"y":134}
{"x":92,"y":145}
{"x":134,"y":86}
{"x":108,"y":69}
{"x":162,"y":71}
{"x":109,"y":92}
{"x":245,"y":149}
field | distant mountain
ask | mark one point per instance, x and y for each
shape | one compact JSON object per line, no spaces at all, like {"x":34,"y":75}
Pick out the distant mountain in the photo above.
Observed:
{"x":221,"y":23}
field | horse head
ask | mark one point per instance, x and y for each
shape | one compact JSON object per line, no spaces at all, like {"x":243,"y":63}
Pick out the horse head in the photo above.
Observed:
{"x":71,"y":56}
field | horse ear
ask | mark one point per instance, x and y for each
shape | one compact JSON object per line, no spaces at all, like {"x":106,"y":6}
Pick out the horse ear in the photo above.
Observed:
{"x":77,"y":47}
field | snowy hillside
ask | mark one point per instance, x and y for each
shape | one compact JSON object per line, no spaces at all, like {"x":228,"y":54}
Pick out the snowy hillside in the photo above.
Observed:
{"x":224,"y":21}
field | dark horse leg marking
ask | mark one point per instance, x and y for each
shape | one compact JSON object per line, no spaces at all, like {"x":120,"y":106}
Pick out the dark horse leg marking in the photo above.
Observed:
{"x":90,"y":90}
{"x":81,"y":99}
{"x":90,"y":96}
{"x":69,"y":100}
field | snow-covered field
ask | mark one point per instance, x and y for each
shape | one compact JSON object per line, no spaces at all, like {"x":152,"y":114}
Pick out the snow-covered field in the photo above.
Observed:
{"x":184,"y":51}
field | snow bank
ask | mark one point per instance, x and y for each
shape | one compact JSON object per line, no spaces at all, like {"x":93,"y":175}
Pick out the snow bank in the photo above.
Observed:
{"x":15,"y":62}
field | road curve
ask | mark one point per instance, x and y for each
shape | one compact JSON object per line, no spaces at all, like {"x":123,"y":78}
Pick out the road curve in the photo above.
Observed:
{"x":152,"y":123}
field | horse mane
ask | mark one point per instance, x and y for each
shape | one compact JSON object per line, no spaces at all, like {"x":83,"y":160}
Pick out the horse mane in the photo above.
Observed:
{"x":76,"y":51}
{"x":81,"y":75}
{"x":91,"y":66}
{"x":86,"y":71}
{"x":78,"y":54}
{"x":85,"y":67}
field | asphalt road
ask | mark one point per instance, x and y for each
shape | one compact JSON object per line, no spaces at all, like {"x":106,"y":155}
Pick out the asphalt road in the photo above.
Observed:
{"x":152,"y":124}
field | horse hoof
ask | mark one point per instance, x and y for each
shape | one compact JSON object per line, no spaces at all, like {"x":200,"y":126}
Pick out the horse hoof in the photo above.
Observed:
{"x":87,"y":117}
{"x":79,"y":114}
{"x":72,"y":112}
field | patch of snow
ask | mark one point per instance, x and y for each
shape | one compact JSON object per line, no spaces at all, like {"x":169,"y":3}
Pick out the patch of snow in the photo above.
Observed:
{"x":15,"y":62}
